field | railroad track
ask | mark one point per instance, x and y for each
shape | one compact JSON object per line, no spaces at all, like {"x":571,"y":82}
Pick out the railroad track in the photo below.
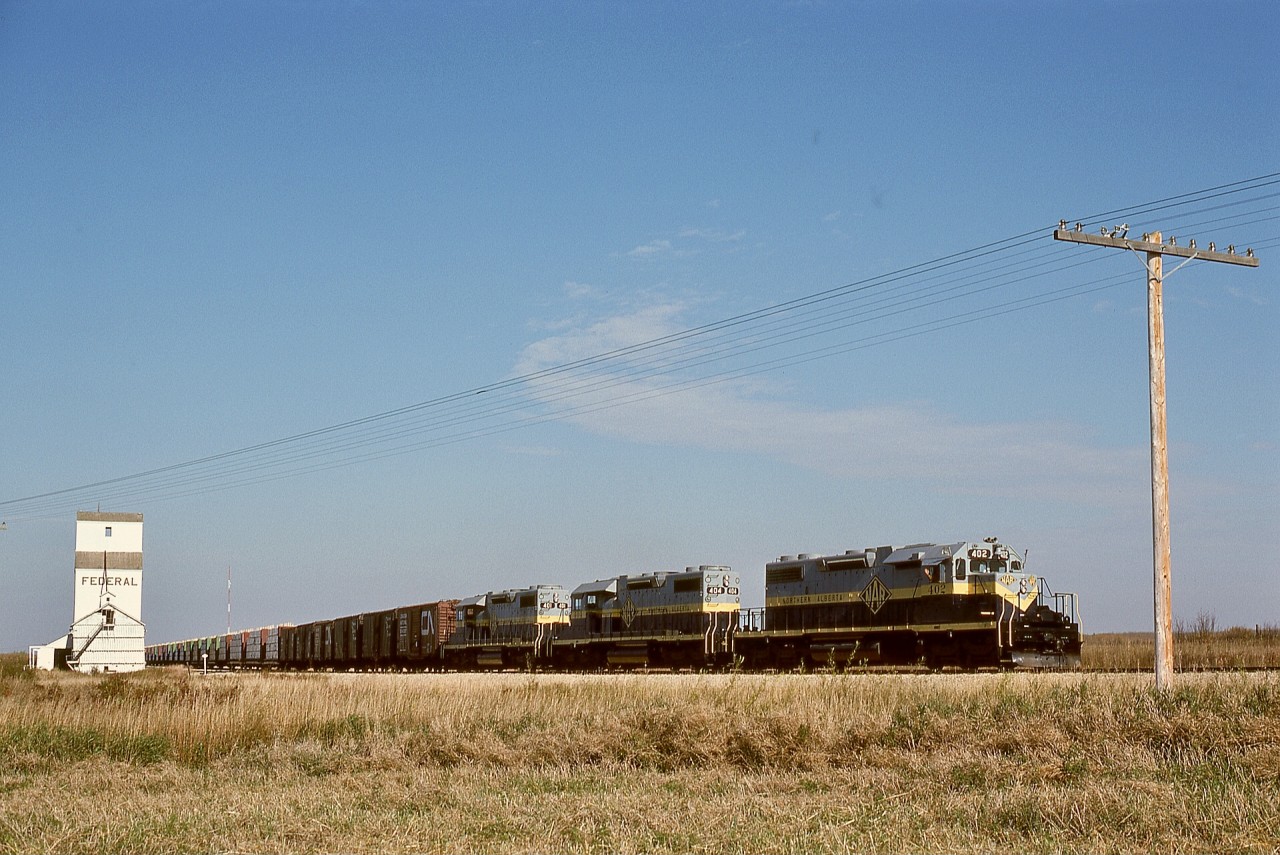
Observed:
{"x":870,"y":670}
{"x":1199,"y":669}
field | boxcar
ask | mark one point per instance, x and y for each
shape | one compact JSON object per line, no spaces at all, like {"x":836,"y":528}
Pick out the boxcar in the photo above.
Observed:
{"x":377,"y":642}
{"x":420,"y":631}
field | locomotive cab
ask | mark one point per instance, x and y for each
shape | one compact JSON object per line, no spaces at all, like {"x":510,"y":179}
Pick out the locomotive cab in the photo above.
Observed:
{"x":1034,"y":627}
{"x":470,"y":623}
{"x":593,"y":608}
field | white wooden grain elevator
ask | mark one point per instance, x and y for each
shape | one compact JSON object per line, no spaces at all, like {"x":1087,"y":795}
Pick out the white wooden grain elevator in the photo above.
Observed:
{"x":107,"y":633}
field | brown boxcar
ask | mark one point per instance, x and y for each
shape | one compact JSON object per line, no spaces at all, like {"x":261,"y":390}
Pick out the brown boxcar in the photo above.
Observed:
{"x":316,"y":644}
{"x":340,"y":651}
{"x":346,"y":641}
{"x":377,"y":639}
{"x":302,"y":656}
{"x":288,"y":653}
{"x":327,"y":652}
{"x":419,"y":632}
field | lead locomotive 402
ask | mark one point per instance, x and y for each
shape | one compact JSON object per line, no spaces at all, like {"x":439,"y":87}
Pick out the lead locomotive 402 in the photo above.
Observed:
{"x":968,"y":604}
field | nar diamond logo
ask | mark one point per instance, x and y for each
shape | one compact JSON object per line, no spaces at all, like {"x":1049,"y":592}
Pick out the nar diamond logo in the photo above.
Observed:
{"x":875,"y":595}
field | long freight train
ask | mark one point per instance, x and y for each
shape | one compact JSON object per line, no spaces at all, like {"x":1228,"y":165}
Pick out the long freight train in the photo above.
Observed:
{"x":968,"y":605}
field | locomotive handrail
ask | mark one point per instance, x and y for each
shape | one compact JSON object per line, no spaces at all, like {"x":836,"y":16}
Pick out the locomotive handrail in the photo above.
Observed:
{"x":751,"y":620}
{"x":1065,"y":604}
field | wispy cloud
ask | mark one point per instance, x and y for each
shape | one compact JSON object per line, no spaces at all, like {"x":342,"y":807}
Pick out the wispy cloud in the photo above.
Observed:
{"x":601,"y":335}
{"x":653,"y":247}
{"x":1248,"y":296}
{"x":578,"y":290}
{"x":902,"y":440}
{"x":714,"y":235}
{"x":687,"y":241}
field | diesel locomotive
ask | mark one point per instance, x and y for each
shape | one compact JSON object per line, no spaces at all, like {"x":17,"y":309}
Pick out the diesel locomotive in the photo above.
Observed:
{"x":966,"y":604}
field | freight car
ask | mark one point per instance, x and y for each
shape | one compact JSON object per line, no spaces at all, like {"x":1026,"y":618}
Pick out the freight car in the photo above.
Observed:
{"x":965,"y":604}
{"x":403,"y":638}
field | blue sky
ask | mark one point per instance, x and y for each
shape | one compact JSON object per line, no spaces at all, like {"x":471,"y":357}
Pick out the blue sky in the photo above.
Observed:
{"x":225,"y":224}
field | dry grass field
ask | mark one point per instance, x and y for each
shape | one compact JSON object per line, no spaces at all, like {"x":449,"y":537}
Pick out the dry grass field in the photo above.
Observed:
{"x":1195,"y":649}
{"x":170,"y":761}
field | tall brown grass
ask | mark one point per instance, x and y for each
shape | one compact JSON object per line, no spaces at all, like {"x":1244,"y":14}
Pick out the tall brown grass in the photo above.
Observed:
{"x":173,"y":761}
{"x":1194,"y":649}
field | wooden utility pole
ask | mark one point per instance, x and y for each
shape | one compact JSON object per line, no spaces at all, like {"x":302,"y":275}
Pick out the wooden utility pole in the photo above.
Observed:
{"x":1155,"y":248}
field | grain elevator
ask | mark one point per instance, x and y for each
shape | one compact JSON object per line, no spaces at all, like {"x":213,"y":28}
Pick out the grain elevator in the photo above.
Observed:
{"x":107,"y":633}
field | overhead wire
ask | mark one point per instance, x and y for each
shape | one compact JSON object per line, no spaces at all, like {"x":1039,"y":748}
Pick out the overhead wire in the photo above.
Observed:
{"x":581,"y":385}
{"x":348,"y":445}
{"x":549,"y":394}
{"x":988,"y":310}
{"x":461,"y":400}
{"x":342,"y":444}
{"x":647,"y":393}
{"x":299,"y":464}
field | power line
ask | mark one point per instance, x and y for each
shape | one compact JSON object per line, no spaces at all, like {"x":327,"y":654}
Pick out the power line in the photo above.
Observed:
{"x":669,"y":363}
{"x":469,"y":425}
{"x":258,"y":473}
{"x":347,"y":445}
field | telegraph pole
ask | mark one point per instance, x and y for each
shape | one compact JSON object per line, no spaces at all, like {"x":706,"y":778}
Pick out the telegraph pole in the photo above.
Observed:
{"x":1155,"y":248}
